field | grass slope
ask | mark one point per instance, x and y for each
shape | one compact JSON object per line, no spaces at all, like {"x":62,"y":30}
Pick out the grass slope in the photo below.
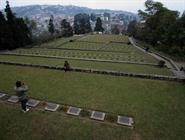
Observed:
{"x":88,"y":64}
{"x":158,"y":107}
{"x":38,"y":125}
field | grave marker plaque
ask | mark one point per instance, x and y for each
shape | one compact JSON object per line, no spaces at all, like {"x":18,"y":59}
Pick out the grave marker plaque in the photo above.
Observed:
{"x":2,"y":95}
{"x":51,"y":106}
{"x":98,"y":115}
{"x":74,"y":111}
{"x":125,"y":120}
{"x":32,"y":102}
{"x":13,"y":99}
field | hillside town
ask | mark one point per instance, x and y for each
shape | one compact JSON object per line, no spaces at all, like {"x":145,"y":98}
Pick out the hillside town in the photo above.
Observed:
{"x":108,"y":21}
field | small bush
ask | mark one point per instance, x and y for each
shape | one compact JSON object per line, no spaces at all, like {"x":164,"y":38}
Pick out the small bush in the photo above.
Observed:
{"x":129,"y":43}
{"x":85,"y":113}
{"x":71,"y":40}
{"x":111,"y":118}
{"x":64,"y":108}
{"x":161,"y":63}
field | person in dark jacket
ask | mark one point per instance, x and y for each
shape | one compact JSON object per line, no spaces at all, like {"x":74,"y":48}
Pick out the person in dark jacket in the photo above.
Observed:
{"x":66,"y":66}
{"x":21,"y":92}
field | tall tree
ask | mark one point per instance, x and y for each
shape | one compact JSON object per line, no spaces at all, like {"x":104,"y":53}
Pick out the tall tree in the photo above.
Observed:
{"x":82,"y":24}
{"x":162,"y":27}
{"x":93,"y":17}
{"x":51,"y":27}
{"x":98,"y":27}
{"x":132,"y":28}
{"x":88,"y":28}
{"x":17,"y":33}
{"x":3,"y":34}
{"x":11,"y":30}
{"x":32,"y":25}
{"x":115,"y":30}
{"x":9,"y":14}
{"x":66,"y":29}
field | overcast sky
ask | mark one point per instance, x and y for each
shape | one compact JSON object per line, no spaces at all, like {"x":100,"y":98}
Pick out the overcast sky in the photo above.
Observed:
{"x":126,"y":5}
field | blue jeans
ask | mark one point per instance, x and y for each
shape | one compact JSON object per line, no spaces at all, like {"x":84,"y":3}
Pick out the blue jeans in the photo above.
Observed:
{"x":23,"y":104}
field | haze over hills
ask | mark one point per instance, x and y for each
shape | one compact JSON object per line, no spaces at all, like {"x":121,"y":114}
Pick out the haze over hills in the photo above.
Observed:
{"x":47,"y":10}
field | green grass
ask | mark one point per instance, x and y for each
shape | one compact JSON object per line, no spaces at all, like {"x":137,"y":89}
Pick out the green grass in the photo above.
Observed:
{"x":38,"y":125}
{"x":57,"y":42}
{"x":99,"y":46}
{"x":82,"y":45}
{"x":158,"y":107}
{"x":135,"y":56}
{"x":105,"y":38}
{"x":88,"y":64}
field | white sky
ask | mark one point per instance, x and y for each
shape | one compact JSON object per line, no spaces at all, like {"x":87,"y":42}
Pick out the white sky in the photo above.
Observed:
{"x":126,"y":5}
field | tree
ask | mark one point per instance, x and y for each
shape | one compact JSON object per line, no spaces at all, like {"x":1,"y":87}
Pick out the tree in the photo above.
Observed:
{"x":24,"y":32}
{"x":82,"y":24}
{"x":66,"y":29}
{"x":51,"y":27}
{"x":14,"y":32}
{"x":88,"y":28}
{"x":9,"y":14}
{"x":131,"y":30}
{"x":115,"y":30}
{"x":76,"y":27}
{"x":32,"y":25}
{"x":98,"y":27}
{"x":93,"y":17}
{"x":11,"y":30}
{"x":3,"y":34}
{"x":163,"y":28}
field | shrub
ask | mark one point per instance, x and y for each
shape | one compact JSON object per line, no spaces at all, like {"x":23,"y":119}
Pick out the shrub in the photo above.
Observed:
{"x":129,"y":43}
{"x":111,"y":118}
{"x":161,"y":63}
{"x":64,"y":108}
{"x":85,"y":113}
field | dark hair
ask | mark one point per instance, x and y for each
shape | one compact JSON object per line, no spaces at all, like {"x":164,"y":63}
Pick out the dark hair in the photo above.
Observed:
{"x":18,"y":84}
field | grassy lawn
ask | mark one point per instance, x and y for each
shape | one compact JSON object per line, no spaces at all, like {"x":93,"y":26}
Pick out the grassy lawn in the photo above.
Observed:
{"x":88,"y":64}
{"x":57,"y":42}
{"x":38,"y":125}
{"x":99,"y":46}
{"x":105,"y":38}
{"x":135,"y":56}
{"x":158,"y":107}
{"x":83,"y":45}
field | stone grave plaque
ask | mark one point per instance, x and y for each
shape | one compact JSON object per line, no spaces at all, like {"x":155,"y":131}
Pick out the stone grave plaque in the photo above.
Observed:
{"x":98,"y":115}
{"x":32,"y":102}
{"x":2,"y":95}
{"x":125,"y":120}
{"x":5,"y":98}
{"x":13,"y":99}
{"x":51,"y":106}
{"x":74,"y":111}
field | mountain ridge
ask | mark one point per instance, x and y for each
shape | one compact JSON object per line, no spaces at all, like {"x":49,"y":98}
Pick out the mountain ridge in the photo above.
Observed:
{"x":32,"y":10}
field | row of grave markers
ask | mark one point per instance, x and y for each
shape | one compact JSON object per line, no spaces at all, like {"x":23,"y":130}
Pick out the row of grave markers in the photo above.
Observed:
{"x":96,"y":115}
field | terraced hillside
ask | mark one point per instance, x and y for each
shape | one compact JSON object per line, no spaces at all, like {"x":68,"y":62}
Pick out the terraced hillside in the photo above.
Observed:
{"x":156,"y":106}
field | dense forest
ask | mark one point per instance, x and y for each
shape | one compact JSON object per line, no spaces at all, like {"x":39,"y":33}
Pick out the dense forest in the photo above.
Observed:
{"x":164,"y":29}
